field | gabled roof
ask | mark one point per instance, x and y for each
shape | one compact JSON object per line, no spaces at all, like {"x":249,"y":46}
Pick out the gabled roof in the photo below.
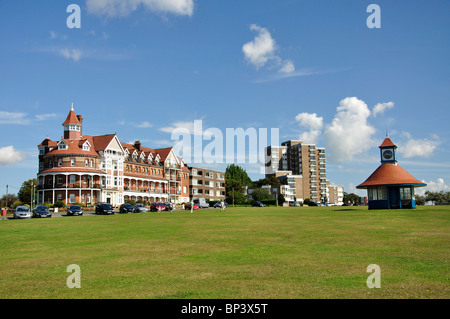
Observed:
{"x":390,"y":174}
{"x":48,"y":142}
{"x":163,"y":153}
{"x":101,"y":142}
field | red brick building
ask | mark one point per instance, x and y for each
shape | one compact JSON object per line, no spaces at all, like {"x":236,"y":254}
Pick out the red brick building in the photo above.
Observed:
{"x":88,"y":169}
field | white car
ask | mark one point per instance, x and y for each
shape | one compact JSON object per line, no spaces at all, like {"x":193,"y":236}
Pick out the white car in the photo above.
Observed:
{"x":22,"y":212}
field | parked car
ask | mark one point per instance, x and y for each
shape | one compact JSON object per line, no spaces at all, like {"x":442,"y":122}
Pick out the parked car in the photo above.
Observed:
{"x":140,"y":208}
{"x":218,"y":205}
{"x":294,"y":204}
{"x":74,"y":210}
{"x":126,"y":208}
{"x":22,"y":212}
{"x":103,"y":208}
{"x":201,"y":203}
{"x":158,"y":207}
{"x":41,"y":211}
{"x":313,"y":204}
{"x":188,"y":206}
{"x":256,"y":203}
{"x":169,"y":206}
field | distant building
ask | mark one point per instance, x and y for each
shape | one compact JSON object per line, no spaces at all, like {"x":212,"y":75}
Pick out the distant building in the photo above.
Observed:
{"x":206,"y":183}
{"x":80,"y":168}
{"x":274,"y":191}
{"x":303,"y":167}
{"x":390,"y":185}
{"x":336,"y":194}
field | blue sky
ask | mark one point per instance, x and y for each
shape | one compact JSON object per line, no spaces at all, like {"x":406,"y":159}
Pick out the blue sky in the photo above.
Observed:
{"x":312,"y":69}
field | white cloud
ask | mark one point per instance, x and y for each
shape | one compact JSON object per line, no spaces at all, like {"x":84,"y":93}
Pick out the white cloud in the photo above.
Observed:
{"x":144,"y":125}
{"x":19,"y":118}
{"x":381,"y":107}
{"x":8,"y":156}
{"x":418,"y":147}
{"x":261,"y":51}
{"x":113,"y":8}
{"x":189,"y":126}
{"x":73,"y":54}
{"x":297,"y":73}
{"x":13,"y":118}
{"x":433,"y":186}
{"x":54,"y":35}
{"x":349,"y":133}
{"x":288,"y":67}
{"x":44,"y":117}
{"x":313,"y":124}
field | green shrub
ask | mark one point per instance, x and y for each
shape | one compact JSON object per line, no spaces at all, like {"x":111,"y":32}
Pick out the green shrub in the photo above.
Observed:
{"x":59,"y":204}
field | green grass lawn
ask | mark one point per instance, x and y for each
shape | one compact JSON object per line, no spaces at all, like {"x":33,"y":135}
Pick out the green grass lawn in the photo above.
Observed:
{"x":291,"y":252}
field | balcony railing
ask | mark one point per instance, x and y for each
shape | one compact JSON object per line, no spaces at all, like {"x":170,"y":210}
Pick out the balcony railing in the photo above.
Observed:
{"x":59,"y":186}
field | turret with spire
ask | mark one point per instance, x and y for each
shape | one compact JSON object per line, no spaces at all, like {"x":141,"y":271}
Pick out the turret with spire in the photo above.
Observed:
{"x":72,"y":125}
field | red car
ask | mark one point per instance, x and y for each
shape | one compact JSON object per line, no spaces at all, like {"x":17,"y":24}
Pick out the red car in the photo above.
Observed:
{"x":157,"y":207}
{"x":188,"y":206}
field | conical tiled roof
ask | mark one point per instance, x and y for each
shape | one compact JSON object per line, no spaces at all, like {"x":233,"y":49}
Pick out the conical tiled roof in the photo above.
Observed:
{"x":390,"y":174}
{"x":387,"y":142}
{"x":71,"y":118}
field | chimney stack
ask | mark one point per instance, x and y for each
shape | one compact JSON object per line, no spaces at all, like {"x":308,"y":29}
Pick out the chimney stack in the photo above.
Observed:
{"x":137,"y":145}
{"x":80,"y":118}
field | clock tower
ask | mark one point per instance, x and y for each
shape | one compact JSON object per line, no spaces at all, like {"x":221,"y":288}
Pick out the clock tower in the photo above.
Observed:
{"x":388,"y":151}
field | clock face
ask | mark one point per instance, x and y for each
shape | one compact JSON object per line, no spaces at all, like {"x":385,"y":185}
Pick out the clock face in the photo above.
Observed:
{"x":387,"y":154}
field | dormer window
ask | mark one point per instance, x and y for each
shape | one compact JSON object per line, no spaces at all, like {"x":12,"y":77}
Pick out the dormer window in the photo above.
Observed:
{"x":86,"y":146}
{"x":62,"y":145}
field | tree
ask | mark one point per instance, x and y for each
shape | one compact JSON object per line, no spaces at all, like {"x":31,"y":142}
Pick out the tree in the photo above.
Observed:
{"x":235,"y":197}
{"x":273,"y":181}
{"x":420,"y":200}
{"x":8,"y":200}
{"x":26,"y":189}
{"x":352,"y":198}
{"x":234,"y":190}
{"x":261,"y":194}
{"x":437,"y":197}
{"x":237,"y":173}
{"x":281,"y":199}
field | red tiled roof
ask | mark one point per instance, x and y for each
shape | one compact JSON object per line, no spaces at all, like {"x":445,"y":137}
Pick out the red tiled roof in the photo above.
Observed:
{"x":163,"y":152}
{"x":390,"y":174}
{"x":74,"y":148}
{"x":48,"y":142}
{"x":100,"y":142}
{"x":387,"y":142}
{"x":71,"y":118}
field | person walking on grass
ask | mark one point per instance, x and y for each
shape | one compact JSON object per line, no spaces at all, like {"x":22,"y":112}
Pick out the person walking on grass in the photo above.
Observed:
{"x":222,"y":206}
{"x":192,"y":206}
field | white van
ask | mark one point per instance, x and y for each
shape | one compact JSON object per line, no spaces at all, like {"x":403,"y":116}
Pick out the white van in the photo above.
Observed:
{"x":200,"y":202}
